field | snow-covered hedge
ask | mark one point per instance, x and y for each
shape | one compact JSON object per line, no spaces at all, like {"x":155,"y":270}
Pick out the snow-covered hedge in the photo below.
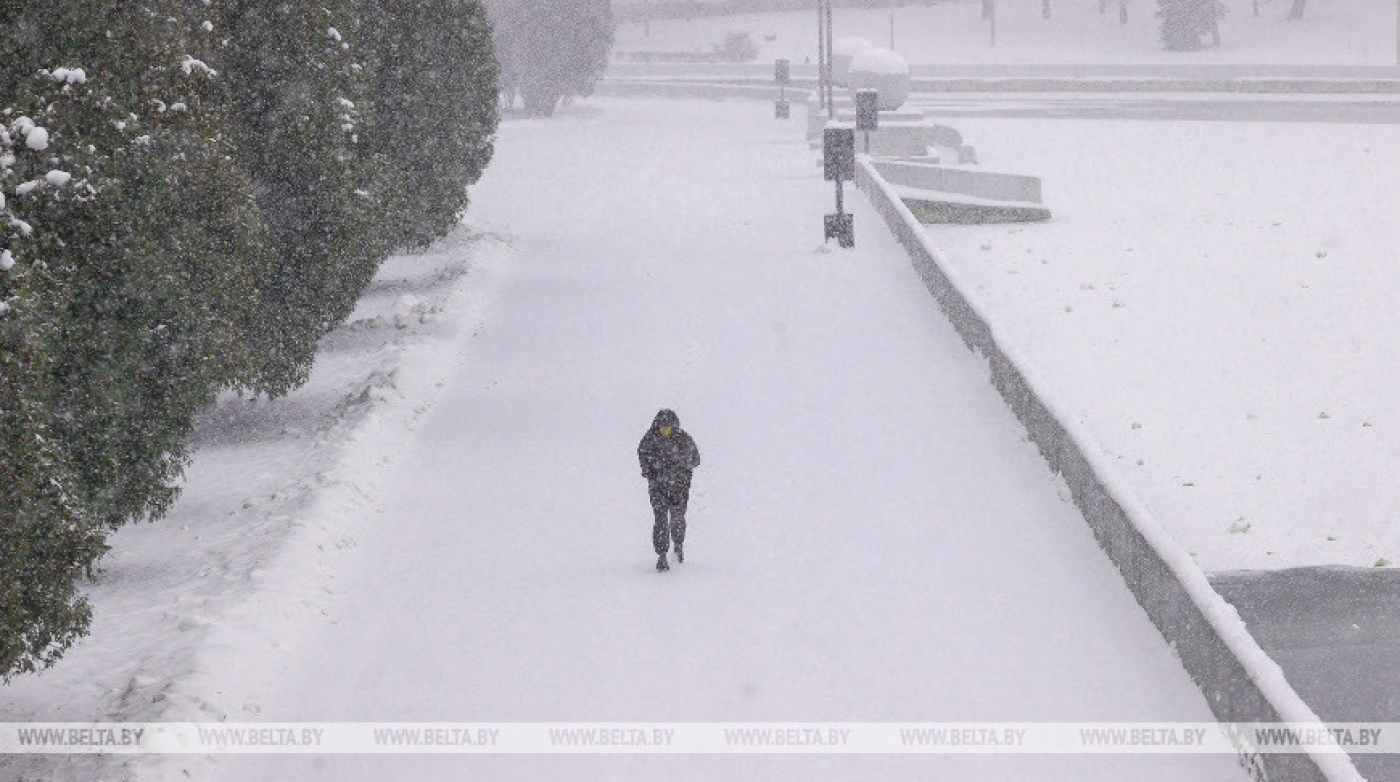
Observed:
{"x":192,"y":193}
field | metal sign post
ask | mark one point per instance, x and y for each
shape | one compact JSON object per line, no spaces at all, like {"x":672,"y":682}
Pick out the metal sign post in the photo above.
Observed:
{"x":867,"y":113}
{"x":839,"y":165}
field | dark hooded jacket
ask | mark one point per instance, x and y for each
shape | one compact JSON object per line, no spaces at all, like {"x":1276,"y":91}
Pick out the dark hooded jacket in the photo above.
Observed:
{"x":668,"y":459}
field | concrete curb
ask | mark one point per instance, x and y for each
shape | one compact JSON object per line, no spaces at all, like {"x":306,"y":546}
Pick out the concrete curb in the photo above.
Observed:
{"x":1262,"y":86}
{"x":1240,"y":682}
{"x":663,"y":88}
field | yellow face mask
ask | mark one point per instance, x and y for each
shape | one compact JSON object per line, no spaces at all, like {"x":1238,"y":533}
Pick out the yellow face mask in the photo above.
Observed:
{"x":665,"y":431}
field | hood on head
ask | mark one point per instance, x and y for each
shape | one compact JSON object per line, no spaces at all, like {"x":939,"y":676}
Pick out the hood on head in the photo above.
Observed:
{"x":666,"y":418}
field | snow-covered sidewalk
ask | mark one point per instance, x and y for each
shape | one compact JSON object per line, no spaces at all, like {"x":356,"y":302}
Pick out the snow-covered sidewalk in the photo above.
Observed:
{"x":870,"y":539}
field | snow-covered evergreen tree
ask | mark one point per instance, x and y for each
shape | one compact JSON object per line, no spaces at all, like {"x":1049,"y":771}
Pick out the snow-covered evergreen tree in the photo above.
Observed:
{"x":129,"y":230}
{"x":193,"y":192}
{"x":433,"y":111}
{"x":147,"y":227}
{"x":295,"y":71}
{"x":47,"y":540}
{"x":1185,"y":22}
{"x":551,"y":49}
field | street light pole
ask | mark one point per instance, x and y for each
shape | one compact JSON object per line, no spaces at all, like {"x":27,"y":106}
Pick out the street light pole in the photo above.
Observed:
{"x":830,"y":97}
{"x":821,"y":56}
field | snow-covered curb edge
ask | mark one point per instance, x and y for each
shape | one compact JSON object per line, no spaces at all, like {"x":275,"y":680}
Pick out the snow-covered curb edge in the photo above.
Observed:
{"x":1240,"y":681}
{"x":719,"y":90}
{"x":231,"y":660}
{"x":763,"y":87}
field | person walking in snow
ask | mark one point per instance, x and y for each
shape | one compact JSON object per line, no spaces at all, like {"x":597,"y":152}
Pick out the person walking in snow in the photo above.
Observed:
{"x":668,"y":456}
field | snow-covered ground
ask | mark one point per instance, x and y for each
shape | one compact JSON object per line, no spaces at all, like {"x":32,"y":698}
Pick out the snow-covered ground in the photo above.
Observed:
{"x":1217,"y":301}
{"x":272,"y":503}
{"x":1337,"y":32}
{"x":871,"y":537}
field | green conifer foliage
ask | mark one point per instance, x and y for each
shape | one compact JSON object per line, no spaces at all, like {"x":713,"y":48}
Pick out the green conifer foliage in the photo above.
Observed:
{"x":128,"y":239}
{"x":192,"y":193}
{"x":1184,"y":23}
{"x":551,"y":49}
{"x":434,"y":111}
{"x":296,"y":72}
{"x":46,"y":539}
{"x":148,"y":229}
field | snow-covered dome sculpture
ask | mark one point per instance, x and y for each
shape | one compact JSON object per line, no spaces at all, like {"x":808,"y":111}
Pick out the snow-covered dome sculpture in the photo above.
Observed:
{"x":884,"y":71}
{"x":842,"y":50}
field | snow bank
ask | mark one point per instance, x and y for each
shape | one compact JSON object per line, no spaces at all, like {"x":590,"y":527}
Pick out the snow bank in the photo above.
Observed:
{"x":273,"y":502}
{"x":344,"y":502}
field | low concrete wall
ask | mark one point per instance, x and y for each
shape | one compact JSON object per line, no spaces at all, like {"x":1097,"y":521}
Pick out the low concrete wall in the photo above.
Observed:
{"x":1242,"y":86}
{"x":905,"y":139}
{"x":949,"y":208}
{"x":1050,"y":84}
{"x":1240,"y":682}
{"x":845,"y":112}
{"x":1068,"y":71}
{"x":689,"y":89}
{"x":971,"y":182}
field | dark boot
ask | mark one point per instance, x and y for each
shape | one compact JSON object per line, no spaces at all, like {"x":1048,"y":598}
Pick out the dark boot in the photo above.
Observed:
{"x":661,"y":564}
{"x":680,"y":554}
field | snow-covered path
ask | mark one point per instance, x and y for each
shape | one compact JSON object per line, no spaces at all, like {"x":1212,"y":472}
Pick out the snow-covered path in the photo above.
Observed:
{"x":870,"y":539}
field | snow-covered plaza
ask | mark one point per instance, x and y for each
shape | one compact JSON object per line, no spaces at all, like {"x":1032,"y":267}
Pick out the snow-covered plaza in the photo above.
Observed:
{"x":871,"y":536}
{"x":1090,"y":435}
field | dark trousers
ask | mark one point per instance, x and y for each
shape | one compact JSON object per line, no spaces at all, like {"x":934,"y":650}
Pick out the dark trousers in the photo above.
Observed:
{"x":668,"y":507}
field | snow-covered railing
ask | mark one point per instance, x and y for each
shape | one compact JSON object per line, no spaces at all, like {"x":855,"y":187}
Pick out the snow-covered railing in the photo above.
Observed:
{"x":1241,"y":683}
